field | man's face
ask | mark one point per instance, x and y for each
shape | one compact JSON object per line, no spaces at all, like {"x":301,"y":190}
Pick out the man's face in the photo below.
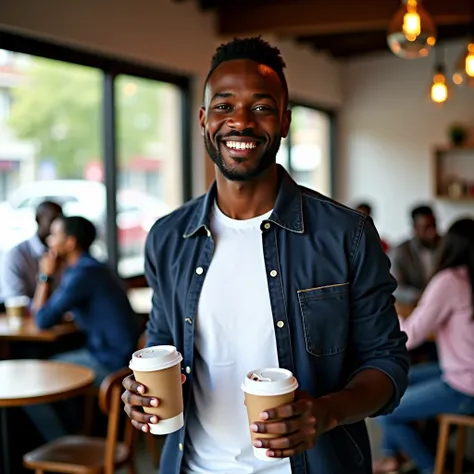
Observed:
{"x":244,"y":118}
{"x":58,"y":240}
{"x":45,"y":219}
{"x":425,"y":230}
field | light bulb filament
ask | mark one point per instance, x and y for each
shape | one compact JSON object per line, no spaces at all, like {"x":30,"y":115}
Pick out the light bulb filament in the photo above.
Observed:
{"x":411,"y":25}
{"x":439,"y":90}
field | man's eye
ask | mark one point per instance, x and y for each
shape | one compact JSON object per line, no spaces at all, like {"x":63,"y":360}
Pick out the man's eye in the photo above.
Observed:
{"x":222,"y":107}
{"x":262,"y":108}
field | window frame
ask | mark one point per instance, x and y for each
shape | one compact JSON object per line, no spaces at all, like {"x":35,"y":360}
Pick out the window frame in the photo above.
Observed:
{"x":332,"y":116}
{"x":111,"y":68}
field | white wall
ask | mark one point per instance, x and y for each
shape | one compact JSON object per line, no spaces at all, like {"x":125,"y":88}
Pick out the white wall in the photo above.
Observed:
{"x":171,"y":35}
{"x":389,"y":128}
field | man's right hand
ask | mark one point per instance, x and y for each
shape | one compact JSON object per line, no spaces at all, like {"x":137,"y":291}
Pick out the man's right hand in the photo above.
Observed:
{"x":134,"y":401}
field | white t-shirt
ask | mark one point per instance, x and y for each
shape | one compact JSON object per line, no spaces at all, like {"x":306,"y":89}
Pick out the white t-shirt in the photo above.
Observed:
{"x":234,"y":334}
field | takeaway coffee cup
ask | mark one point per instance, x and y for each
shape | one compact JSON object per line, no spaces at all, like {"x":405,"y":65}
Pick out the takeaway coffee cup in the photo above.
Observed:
{"x":158,"y":368}
{"x":265,"y":389}
{"x":17,"y":310}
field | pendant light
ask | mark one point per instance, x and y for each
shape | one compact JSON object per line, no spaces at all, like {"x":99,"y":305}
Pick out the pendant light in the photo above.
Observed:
{"x":439,"y":90}
{"x":412,"y":31}
{"x":464,"y":67}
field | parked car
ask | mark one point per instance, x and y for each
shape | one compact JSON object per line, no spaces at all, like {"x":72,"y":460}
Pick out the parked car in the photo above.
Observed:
{"x":136,"y":212}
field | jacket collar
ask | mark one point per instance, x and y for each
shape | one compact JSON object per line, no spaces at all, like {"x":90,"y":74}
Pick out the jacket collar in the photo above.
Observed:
{"x":287,"y":213}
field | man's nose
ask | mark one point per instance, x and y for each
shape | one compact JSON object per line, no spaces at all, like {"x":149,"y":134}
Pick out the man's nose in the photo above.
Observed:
{"x":241,"y":119}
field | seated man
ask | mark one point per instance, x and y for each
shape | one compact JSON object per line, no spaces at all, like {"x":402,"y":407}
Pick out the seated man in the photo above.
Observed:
{"x":95,"y":295}
{"x":413,"y":261}
{"x":19,"y":271}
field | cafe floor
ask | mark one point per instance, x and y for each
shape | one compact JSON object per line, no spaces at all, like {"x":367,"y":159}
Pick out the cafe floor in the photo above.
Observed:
{"x":143,"y":461}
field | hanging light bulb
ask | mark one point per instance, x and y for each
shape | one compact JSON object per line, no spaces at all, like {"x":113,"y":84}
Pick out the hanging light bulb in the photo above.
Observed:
{"x":464,"y":68}
{"x":439,"y":91}
{"x":439,"y":88}
{"x":412,"y":32}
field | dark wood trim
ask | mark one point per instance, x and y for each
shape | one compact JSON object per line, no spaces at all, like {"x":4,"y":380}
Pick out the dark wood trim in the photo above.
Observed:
{"x":308,"y":17}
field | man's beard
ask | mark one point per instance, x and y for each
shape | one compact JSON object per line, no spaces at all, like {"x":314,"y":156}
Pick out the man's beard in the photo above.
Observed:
{"x":264,"y":162}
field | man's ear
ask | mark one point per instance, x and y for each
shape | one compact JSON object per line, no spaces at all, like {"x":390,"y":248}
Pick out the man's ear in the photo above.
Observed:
{"x":202,"y":119}
{"x":71,"y":243}
{"x":286,"y":122}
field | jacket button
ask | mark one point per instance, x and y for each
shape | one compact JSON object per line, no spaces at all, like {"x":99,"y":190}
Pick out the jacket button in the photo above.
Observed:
{"x":273,"y":273}
{"x":189,"y":320}
{"x":208,"y":232}
{"x":180,"y":446}
{"x":199,"y":270}
{"x":267,"y":225}
{"x":280,"y":324}
{"x":188,"y":369}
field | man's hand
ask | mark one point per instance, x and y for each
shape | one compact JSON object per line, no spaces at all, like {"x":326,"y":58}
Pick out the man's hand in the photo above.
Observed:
{"x":297,"y":424}
{"x":48,"y":263}
{"x":134,"y":401}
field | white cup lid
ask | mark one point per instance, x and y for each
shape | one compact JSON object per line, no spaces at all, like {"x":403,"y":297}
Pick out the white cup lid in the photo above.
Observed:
{"x":155,"y":358}
{"x":269,"y":382}
{"x":17,"y":301}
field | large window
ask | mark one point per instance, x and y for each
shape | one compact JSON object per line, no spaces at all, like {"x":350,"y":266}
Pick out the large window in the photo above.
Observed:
{"x":307,"y":153}
{"x":149,"y":165}
{"x":105,"y":139}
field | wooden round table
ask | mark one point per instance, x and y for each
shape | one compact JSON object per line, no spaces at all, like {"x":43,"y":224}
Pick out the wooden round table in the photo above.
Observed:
{"x":26,"y":382}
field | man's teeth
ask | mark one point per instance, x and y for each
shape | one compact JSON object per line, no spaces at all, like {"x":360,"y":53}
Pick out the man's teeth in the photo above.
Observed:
{"x":241,"y":145}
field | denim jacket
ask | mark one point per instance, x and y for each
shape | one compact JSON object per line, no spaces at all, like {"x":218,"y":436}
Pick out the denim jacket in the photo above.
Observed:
{"x":331,"y":297}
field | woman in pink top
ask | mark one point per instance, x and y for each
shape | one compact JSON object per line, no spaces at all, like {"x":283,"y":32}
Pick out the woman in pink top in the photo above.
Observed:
{"x":447,"y":309}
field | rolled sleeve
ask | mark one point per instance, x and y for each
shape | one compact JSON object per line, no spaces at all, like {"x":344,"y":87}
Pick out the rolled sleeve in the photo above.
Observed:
{"x":71,"y":293}
{"x":376,"y":340}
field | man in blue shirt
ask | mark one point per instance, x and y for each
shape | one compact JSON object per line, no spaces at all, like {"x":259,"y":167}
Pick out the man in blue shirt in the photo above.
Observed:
{"x":262,"y":272}
{"x":95,"y":295}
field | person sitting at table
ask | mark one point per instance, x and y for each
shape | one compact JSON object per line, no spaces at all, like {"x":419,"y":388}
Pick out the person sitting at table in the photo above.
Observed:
{"x":95,"y":295}
{"x":413,"y":260}
{"x":446,"y":308}
{"x":366,"y":208}
{"x":19,"y":271}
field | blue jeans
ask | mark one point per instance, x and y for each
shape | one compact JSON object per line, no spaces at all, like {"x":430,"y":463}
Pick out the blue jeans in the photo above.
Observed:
{"x":44,"y":416}
{"x":426,"y":397}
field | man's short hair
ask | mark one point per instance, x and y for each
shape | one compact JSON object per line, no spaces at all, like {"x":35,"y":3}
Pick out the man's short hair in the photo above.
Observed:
{"x":365,"y":207}
{"x":47,"y":205}
{"x":254,"y":49}
{"x":419,"y":211}
{"x":81,"y":229}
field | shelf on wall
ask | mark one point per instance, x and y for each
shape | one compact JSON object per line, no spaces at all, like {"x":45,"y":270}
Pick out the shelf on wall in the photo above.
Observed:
{"x":454,"y":173}
{"x":446,"y":197}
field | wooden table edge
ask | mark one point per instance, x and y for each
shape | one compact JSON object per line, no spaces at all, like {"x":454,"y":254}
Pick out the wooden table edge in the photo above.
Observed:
{"x":52,"y":397}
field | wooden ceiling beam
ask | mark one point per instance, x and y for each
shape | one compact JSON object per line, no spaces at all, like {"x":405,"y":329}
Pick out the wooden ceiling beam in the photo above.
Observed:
{"x":343,"y":46}
{"x":316,"y":17}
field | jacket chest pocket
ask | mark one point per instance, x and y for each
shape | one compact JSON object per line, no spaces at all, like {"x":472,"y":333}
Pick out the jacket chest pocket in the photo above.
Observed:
{"x":325,"y":315}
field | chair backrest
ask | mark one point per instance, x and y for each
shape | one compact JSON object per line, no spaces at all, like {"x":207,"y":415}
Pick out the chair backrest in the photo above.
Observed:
{"x":111,"y":405}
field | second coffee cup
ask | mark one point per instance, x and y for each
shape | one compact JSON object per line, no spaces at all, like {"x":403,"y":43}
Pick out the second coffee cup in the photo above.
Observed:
{"x":17,"y":310}
{"x":266,"y":389}
{"x":158,"y":368}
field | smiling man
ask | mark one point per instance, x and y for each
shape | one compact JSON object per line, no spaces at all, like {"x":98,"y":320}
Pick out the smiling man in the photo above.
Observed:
{"x":261,"y":272}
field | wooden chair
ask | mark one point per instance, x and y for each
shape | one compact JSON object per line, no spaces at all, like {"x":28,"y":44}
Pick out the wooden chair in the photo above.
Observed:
{"x":445,"y":422}
{"x":91,"y":455}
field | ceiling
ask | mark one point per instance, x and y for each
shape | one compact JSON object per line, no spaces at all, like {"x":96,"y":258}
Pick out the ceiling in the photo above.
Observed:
{"x":343,"y":28}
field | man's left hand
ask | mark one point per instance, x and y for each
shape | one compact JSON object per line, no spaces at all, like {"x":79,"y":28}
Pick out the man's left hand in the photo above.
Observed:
{"x":48,"y":263}
{"x":297,"y":424}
